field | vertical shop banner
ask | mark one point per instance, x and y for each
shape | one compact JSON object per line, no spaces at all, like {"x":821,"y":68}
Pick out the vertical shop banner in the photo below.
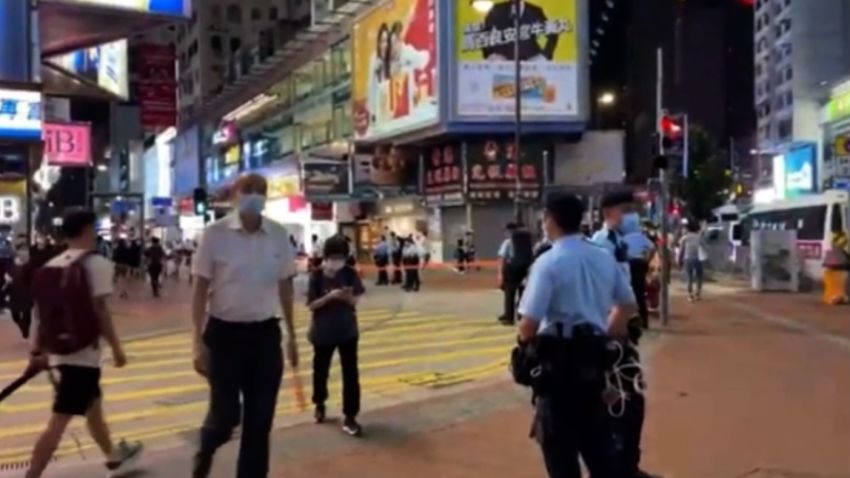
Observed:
{"x":492,"y":170}
{"x":394,"y":69}
{"x":156,"y":87}
{"x":549,"y":52}
{"x":14,"y":49}
{"x":443,"y":170}
{"x":67,"y":144}
{"x":325,"y":180}
{"x":186,"y":161}
{"x":389,"y":170}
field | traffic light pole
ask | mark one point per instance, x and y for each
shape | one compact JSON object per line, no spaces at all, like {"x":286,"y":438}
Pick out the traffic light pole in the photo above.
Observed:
{"x":663,"y":180}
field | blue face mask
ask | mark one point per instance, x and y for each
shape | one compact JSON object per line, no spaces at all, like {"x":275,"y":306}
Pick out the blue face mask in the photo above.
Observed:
{"x":631,"y":223}
{"x":251,"y":203}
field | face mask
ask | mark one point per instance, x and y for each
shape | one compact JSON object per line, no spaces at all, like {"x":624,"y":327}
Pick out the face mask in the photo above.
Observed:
{"x":631,"y":223}
{"x":331,"y":266}
{"x":251,"y":203}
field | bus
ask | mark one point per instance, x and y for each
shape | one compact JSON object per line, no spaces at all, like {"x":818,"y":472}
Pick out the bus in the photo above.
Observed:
{"x":815,"y":217}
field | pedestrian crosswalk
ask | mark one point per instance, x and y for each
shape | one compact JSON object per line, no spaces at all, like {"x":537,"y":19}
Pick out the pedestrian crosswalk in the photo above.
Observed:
{"x":158,"y":398}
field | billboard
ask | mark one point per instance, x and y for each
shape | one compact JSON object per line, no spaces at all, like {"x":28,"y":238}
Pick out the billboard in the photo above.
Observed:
{"x":492,"y":170}
{"x":390,"y":169}
{"x":67,"y":144}
{"x":325,"y":180}
{"x":104,"y":65}
{"x":443,"y":171}
{"x":186,"y":161}
{"x":394,"y":78}
{"x":549,"y":52}
{"x":160,"y":7}
{"x":20,"y":114}
{"x":800,"y":170}
{"x":156,"y":87}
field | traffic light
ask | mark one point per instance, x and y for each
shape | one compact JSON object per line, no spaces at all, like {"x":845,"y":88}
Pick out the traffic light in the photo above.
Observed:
{"x":674,"y":139}
{"x":200,"y":199}
{"x":124,"y":171}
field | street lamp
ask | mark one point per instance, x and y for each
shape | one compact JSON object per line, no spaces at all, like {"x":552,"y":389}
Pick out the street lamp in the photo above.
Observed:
{"x":484,"y":7}
{"x":607,"y":98}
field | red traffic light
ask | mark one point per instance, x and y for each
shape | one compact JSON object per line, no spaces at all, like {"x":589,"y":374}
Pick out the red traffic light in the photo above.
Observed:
{"x":670,"y":126}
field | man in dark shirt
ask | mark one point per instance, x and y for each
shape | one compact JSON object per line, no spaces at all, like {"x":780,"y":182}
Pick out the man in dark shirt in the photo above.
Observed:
{"x":155,"y":256}
{"x":532,"y":22}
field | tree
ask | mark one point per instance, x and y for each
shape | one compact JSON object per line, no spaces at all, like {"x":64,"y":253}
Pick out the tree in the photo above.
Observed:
{"x":708,"y":181}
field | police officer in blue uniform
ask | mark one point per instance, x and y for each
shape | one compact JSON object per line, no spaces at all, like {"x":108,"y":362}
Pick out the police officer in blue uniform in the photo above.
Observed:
{"x":620,"y":218}
{"x":577,"y":298}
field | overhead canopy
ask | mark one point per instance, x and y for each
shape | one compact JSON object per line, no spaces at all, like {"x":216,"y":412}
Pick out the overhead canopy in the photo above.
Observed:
{"x":67,"y":25}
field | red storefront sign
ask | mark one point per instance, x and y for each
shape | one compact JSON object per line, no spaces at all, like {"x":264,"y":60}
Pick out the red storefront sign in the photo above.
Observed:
{"x":67,"y":144}
{"x":156,"y":88}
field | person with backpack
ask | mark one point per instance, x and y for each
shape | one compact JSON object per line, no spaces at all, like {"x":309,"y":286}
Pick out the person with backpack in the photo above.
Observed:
{"x":155,"y":258}
{"x":70,"y":294}
{"x":516,"y":254}
{"x":332,"y":295}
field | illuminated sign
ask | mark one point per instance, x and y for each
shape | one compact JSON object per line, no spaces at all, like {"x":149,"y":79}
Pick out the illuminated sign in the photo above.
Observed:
{"x":20,"y":114}
{"x":226,"y":134}
{"x":10,"y":209}
{"x":104,"y":65}
{"x":800,"y":170}
{"x":232,"y":155}
{"x":162,"y":7}
{"x":394,"y":61}
{"x":549,"y":52}
{"x":67,"y":144}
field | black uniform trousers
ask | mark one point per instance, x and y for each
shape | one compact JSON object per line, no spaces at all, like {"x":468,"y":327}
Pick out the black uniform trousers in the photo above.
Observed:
{"x":638,"y":269}
{"x":245,"y":360}
{"x":396,"y":260}
{"x":512,"y":288}
{"x":155,"y":272}
{"x":381,"y":262}
{"x":574,"y":424}
{"x":629,"y":427}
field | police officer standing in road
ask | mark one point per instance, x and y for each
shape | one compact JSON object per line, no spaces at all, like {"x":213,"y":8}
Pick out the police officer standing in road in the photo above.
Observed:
{"x":619,"y":217}
{"x":576,"y":298}
{"x":244,"y":267}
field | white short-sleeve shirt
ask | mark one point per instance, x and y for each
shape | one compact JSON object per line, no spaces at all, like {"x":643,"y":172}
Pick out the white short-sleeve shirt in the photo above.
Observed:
{"x":101,"y":273}
{"x":244,"y":268}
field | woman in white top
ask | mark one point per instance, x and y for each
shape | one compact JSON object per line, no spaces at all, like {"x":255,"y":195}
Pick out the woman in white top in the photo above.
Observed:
{"x":379,"y":76}
{"x":691,"y":256}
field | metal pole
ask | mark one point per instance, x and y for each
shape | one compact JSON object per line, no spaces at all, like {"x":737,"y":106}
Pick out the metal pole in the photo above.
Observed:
{"x":517,"y":110}
{"x":664,"y":306}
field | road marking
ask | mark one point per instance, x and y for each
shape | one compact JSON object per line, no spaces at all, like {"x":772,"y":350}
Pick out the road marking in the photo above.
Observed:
{"x":390,"y":384}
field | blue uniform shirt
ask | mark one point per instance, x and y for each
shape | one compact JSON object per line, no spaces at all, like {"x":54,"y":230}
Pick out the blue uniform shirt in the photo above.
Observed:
{"x":639,"y":245}
{"x":506,"y":250}
{"x":575,"y":282}
{"x":602,"y":239}
{"x":382,"y":249}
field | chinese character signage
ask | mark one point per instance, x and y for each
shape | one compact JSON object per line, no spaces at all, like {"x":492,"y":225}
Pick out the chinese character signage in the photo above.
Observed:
{"x":67,"y":144}
{"x":20,"y":115}
{"x":548,"y":50}
{"x":493,"y":171}
{"x":443,"y":181}
{"x":394,"y":78}
{"x":325,"y":180}
{"x":156,"y":86}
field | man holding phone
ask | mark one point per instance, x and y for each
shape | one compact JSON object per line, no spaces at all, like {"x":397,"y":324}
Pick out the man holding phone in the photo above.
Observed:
{"x":243,"y":278}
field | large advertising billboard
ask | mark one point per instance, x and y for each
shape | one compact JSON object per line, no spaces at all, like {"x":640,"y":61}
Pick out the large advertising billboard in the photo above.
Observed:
{"x":156,"y":85}
{"x":104,"y":65}
{"x":161,"y":7}
{"x":394,"y":69}
{"x":20,"y":114}
{"x":548,"y":50}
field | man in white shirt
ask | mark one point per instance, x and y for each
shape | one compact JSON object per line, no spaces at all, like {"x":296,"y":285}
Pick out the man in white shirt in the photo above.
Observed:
{"x":244,"y":267}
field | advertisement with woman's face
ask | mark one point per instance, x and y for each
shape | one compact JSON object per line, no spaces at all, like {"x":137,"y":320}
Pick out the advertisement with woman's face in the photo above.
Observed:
{"x":394,"y":62}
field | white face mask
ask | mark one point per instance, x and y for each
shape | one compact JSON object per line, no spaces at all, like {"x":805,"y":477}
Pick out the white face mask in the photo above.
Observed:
{"x":331,"y":266}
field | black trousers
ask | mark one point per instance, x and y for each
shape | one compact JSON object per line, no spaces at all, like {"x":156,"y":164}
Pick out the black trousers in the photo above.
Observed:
{"x":245,"y":360}
{"x":155,"y":272}
{"x":412,"y":281}
{"x":383,"y":277}
{"x":575,"y":424}
{"x":638,"y":269}
{"x":322,"y":358}
{"x":22,"y":316}
{"x":511,"y":292}
{"x":396,"y":259}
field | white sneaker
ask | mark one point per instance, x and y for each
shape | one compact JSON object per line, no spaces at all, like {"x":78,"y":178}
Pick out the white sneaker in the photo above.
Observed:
{"x":123,"y":458}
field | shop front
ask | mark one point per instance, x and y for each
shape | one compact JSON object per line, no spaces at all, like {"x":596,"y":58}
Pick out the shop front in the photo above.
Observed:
{"x":835,"y":127}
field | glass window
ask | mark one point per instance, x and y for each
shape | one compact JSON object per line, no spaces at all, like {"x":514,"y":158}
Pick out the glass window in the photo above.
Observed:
{"x":216,"y":45}
{"x":836,"y":221}
{"x":256,"y":14}
{"x":809,"y":222}
{"x":235,"y":44}
{"x":234,"y":13}
{"x":341,"y":61}
{"x":215,"y":13}
{"x":273,"y":13}
{"x":303,"y":81}
{"x":287,"y":140}
{"x":342,"y":121}
{"x":320,"y":79}
{"x":283,"y":90}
